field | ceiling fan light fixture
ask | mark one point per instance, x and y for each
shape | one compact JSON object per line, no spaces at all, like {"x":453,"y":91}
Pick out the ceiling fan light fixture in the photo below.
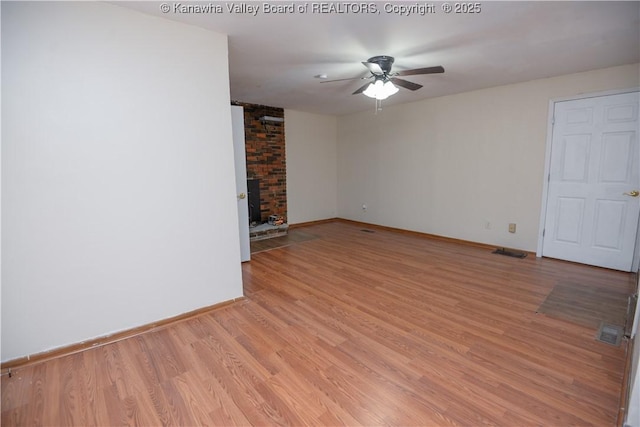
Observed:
{"x":380,"y":89}
{"x":389,"y":88}
{"x":373,"y":89}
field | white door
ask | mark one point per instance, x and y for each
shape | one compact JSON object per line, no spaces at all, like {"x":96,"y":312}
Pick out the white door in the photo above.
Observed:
{"x":592,"y":204}
{"x":237,"y":120}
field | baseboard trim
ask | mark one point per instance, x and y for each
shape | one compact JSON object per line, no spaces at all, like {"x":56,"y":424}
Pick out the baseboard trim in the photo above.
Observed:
{"x":626,"y":384}
{"x":9,"y":365}
{"x":427,"y":235}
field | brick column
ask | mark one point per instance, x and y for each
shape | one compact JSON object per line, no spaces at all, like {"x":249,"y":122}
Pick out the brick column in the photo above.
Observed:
{"x":265,"y":152}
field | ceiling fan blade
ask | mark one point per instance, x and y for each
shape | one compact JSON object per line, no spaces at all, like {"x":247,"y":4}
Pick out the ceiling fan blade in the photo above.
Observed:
{"x":361,"y":89}
{"x":405,"y":84}
{"x":344,"y":80}
{"x":373,"y":67}
{"x":428,"y":70}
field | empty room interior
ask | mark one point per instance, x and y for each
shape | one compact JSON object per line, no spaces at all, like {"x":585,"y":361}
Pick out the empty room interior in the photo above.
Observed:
{"x":320,"y":213}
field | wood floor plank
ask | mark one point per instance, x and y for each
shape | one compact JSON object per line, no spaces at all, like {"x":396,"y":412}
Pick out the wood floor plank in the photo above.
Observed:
{"x":356,"y":328}
{"x":197,"y":401}
{"x":349,"y":398}
{"x":534,"y":380}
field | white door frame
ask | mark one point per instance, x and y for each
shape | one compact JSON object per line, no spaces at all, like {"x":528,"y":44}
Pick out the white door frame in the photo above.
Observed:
{"x":547,"y":165}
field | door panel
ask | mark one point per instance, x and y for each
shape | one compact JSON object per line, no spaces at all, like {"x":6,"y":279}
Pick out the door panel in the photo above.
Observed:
{"x":594,"y":161}
{"x":575,"y":158}
{"x":608,"y":224}
{"x":569,"y":220}
{"x":237,"y":119}
{"x":577,"y":116}
{"x":616,"y":158}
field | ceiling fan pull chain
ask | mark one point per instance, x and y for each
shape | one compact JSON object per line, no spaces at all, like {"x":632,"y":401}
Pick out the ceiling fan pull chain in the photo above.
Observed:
{"x":378,"y":105}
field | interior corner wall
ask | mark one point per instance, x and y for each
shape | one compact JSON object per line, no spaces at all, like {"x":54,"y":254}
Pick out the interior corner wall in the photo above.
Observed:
{"x":312,"y":176}
{"x":117,"y":173}
{"x":461,"y":166}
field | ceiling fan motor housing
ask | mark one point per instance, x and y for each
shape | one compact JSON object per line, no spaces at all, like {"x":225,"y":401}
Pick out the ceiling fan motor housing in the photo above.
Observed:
{"x":385,"y":62}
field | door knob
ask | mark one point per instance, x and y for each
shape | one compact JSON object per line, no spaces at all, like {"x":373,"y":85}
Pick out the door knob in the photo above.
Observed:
{"x":242,"y":196}
{"x":634,"y":193}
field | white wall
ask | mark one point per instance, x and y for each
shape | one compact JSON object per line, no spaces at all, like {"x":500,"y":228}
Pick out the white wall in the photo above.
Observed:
{"x":117,"y":173}
{"x":311,"y":150}
{"x":462,"y":166}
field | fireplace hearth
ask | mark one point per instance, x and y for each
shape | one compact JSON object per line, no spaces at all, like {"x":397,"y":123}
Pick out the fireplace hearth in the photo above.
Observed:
{"x":267,"y":231}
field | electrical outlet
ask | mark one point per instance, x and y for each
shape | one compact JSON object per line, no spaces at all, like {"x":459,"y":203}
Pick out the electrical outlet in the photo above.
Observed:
{"x":512,"y":227}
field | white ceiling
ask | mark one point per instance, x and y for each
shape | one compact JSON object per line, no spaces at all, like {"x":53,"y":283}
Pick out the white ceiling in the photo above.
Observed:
{"x":273,"y":58}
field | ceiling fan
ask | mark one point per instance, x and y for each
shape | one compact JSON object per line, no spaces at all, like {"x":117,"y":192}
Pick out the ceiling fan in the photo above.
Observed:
{"x":383,"y":84}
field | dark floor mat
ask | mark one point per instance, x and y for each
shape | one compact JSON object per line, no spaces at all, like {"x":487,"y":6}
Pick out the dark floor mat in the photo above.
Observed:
{"x":510,"y":252}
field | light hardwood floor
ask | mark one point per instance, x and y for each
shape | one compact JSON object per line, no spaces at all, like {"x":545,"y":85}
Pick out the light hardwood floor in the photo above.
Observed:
{"x":350,"y":328}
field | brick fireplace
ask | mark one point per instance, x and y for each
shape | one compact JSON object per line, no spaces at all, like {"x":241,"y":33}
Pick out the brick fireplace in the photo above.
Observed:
{"x":266,"y":160}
